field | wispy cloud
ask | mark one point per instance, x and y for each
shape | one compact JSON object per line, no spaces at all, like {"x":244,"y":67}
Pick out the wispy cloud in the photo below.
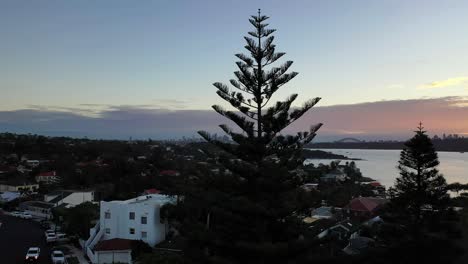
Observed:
{"x":446,"y":83}
{"x":393,"y":119}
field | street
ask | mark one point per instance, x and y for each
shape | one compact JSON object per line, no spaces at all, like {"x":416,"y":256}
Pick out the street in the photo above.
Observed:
{"x":16,"y":236}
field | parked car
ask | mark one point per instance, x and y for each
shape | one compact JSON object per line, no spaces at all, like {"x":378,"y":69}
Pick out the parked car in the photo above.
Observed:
{"x":61,"y":237}
{"x":33,"y":254}
{"x":25,"y":215}
{"x":58,"y":257}
{"x":16,"y":213}
{"x":50,"y":237}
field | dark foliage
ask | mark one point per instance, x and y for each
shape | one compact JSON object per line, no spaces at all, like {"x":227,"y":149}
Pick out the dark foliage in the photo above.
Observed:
{"x":246,"y":214}
{"x":420,"y":187}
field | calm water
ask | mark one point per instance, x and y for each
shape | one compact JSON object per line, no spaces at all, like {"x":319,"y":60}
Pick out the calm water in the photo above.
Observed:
{"x":381,"y":164}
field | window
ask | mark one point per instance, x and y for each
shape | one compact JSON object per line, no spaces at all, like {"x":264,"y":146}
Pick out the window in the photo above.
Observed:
{"x":132,"y":231}
{"x":107,"y":230}
{"x":144,"y":220}
{"x":143,"y":234}
{"x":107,"y":215}
{"x":132,"y":215}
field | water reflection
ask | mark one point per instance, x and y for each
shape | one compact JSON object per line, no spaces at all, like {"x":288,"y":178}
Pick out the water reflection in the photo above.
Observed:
{"x":381,"y":164}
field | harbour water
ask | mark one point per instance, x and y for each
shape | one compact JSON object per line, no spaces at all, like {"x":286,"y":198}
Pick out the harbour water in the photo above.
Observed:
{"x":381,"y":164}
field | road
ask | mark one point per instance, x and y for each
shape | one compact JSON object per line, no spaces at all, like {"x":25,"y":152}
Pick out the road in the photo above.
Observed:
{"x":16,"y":236}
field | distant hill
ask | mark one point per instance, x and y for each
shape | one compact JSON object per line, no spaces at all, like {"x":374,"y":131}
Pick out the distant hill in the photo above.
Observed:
{"x":450,"y":144}
{"x":320,"y":154}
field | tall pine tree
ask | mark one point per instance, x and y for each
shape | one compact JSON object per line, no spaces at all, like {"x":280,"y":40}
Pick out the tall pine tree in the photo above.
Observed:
{"x":420,"y":185}
{"x":249,"y":215}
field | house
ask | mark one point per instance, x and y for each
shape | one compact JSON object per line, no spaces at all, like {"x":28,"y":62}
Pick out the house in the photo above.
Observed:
{"x":151,"y":191}
{"x":364,"y":207}
{"x":310,"y":186}
{"x":69,"y":198}
{"x":334,"y":176}
{"x":18,"y":185}
{"x":9,"y":196}
{"x":33,"y":163}
{"x":135,"y":219}
{"x":324,"y":212}
{"x":116,"y":250}
{"x":358,"y":245}
{"x":23,"y":169}
{"x":48,"y":177}
{"x":342,"y":230}
{"x":38,"y":209}
{"x":377,"y":189}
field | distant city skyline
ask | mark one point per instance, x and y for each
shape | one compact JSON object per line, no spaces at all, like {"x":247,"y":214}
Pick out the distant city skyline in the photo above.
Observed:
{"x":115,"y":69}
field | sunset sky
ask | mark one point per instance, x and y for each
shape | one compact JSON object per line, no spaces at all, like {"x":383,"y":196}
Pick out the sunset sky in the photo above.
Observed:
{"x":114,"y":69}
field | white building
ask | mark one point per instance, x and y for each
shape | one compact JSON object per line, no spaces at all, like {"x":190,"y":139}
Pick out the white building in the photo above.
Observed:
{"x":48,"y":177}
{"x":33,"y":163}
{"x":69,"y":198}
{"x":18,"y":186}
{"x":134,"y":219}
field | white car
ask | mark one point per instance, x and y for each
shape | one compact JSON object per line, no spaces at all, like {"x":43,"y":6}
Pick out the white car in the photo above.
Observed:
{"x":16,"y":213}
{"x":61,"y":236}
{"x":58,"y":257}
{"x":33,"y":254}
{"x":25,"y":216}
{"x":50,"y":237}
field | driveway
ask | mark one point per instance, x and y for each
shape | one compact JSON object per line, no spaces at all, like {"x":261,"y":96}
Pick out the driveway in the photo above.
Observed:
{"x":16,"y":236}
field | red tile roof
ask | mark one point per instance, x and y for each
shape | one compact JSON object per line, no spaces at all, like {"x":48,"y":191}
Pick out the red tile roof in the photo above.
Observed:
{"x":114,"y":244}
{"x":365,"y":204}
{"x":375,"y":184}
{"x":48,"y":174}
{"x":152,"y":191}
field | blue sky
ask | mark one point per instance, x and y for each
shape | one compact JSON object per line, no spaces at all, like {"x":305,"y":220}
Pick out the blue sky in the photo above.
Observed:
{"x":89,"y":56}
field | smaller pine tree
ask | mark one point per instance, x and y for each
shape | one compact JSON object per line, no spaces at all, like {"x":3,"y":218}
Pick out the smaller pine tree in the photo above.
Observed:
{"x":420,"y":184}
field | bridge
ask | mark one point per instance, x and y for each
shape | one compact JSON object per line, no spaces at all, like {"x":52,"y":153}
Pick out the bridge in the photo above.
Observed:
{"x":349,"y":140}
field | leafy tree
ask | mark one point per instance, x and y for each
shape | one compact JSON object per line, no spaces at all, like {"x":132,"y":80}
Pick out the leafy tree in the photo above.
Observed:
{"x":248,"y":214}
{"x":79,"y":219}
{"x":420,"y":184}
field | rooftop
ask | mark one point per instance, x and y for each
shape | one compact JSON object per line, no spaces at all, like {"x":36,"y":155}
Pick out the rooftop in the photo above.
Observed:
{"x":366,"y":204}
{"x":48,"y":174}
{"x":39,"y":204}
{"x":114,"y":244}
{"x":158,"y":198}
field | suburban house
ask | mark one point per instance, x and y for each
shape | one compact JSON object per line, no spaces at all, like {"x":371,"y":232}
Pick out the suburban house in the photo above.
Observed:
{"x":342,"y":230}
{"x":135,"y":219}
{"x":364,"y":207}
{"x":334,"y":176}
{"x":377,"y":188}
{"x":324,"y":212}
{"x":38,"y":209}
{"x":358,"y":245}
{"x":17,"y":185}
{"x":9,"y":196}
{"x":310,"y":186}
{"x":48,"y":177}
{"x":33,"y":163}
{"x":116,"y":250}
{"x":151,"y":191}
{"x":69,"y":198}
